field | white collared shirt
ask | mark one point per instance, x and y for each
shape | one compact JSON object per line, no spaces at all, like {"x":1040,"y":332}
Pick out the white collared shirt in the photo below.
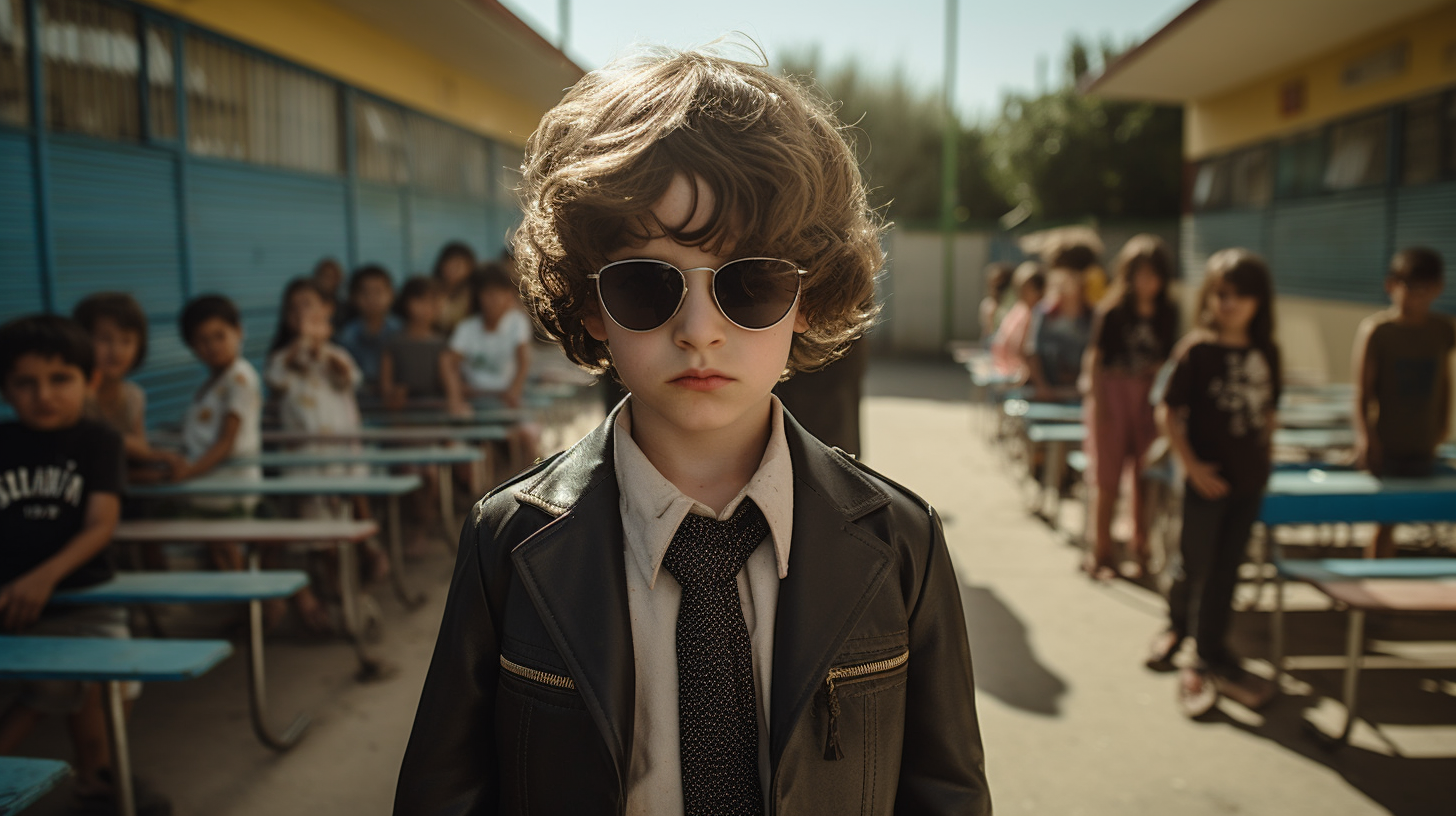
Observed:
{"x":652,"y":508}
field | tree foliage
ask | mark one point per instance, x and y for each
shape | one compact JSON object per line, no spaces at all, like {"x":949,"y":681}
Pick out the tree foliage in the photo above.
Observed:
{"x":1062,"y":154}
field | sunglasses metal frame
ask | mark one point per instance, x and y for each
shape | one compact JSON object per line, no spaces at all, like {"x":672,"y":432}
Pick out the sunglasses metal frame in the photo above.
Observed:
{"x":712,"y":289}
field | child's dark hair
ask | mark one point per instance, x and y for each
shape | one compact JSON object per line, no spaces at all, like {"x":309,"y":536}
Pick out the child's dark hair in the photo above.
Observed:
{"x":415,"y":288}
{"x":120,"y":308}
{"x":454,"y":249}
{"x":1142,"y":251}
{"x":327,"y":263}
{"x":1417,"y":265}
{"x":998,"y":279}
{"x":204,"y":308}
{"x":492,"y":275}
{"x":48,"y":336}
{"x":1248,"y":275}
{"x":283,"y":334}
{"x":1029,"y":272}
{"x":785,"y":181}
{"x":366,"y":273}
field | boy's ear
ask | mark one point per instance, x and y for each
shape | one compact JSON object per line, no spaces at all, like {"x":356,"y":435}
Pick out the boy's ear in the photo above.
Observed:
{"x":591,"y":318}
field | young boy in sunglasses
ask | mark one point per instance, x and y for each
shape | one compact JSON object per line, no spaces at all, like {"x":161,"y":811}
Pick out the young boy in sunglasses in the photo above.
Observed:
{"x":699,"y":608}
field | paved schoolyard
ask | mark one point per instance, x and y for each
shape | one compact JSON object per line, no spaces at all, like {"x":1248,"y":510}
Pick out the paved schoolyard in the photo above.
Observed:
{"x":1072,"y":723}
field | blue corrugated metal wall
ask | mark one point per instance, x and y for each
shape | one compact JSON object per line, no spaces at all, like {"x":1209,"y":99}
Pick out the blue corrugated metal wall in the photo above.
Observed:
{"x":381,"y":228}
{"x":1337,"y":246}
{"x":20,"y":273}
{"x":436,"y":220}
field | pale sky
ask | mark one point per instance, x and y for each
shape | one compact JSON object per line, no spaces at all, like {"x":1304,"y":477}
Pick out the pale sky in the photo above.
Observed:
{"x":1000,"y":42}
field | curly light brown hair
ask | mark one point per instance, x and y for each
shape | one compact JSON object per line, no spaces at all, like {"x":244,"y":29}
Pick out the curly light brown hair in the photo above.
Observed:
{"x":784,"y":177}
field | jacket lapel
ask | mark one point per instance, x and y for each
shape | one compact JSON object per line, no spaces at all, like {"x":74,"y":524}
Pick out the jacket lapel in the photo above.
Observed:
{"x":574,"y":570}
{"x":835,"y":568}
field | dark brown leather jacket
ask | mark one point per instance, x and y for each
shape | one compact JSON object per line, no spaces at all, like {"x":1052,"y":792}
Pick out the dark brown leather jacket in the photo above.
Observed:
{"x":528,"y":706}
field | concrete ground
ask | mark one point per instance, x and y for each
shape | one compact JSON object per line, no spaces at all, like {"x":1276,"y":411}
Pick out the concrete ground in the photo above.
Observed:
{"x":1071,"y":722}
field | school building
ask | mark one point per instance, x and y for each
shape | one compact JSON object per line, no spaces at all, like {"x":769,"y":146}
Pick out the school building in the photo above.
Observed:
{"x":1318,"y":133}
{"x":177,"y":147}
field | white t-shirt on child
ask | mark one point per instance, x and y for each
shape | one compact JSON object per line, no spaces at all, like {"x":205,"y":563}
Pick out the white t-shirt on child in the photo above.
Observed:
{"x":235,"y":391}
{"x":489,"y":362}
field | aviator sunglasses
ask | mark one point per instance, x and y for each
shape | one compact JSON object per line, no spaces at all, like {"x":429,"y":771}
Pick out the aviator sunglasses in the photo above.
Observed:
{"x":753,"y":293}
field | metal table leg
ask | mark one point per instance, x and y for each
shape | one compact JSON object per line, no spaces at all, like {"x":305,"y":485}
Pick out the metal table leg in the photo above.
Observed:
{"x":1354,"y":653}
{"x":446,"y":484}
{"x":362,"y":620}
{"x":257,"y":680}
{"x":396,"y":557}
{"x":1056,"y":461}
{"x":120,"y":749}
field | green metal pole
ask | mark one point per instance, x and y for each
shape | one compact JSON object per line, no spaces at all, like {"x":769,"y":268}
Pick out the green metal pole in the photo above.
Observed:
{"x":948,"y":176}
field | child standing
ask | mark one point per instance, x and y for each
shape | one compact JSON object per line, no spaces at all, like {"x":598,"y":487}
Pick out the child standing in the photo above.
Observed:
{"x":224,"y":419}
{"x":118,"y":329}
{"x":1060,"y":325}
{"x":1218,"y":413}
{"x":1132,"y":336}
{"x":1403,"y":378}
{"x":371,"y":292}
{"x":698,"y":608}
{"x":60,"y":485}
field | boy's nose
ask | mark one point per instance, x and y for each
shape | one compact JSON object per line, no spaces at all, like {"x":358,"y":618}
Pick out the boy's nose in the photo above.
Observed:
{"x":699,"y":323}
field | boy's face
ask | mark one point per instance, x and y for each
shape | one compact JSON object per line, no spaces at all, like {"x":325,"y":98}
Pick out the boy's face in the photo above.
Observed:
{"x":1415,"y":297}
{"x":116,"y":349}
{"x":373,"y":297}
{"x":495,"y":301}
{"x":698,"y":372}
{"x":328,"y":277}
{"x":424,"y":309}
{"x":47,"y":393}
{"x":216,"y":343}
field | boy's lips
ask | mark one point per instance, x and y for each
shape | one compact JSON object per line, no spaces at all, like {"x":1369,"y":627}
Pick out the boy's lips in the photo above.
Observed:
{"x":701,"y":380}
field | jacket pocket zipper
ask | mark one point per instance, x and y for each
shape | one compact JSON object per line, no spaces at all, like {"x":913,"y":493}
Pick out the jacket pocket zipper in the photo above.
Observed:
{"x":832,"y":751}
{"x":544,"y":678}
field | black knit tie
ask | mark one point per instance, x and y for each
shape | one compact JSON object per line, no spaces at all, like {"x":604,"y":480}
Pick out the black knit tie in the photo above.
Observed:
{"x":716,"y":705}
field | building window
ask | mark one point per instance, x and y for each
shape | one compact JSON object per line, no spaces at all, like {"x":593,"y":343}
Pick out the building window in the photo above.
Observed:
{"x":14,"y":79}
{"x":1359,"y":153}
{"x":446,"y":159}
{"x":246,"y":107}
{"x":1211,"y":184}
{"x":1300,"y":168}
{"x":161,"y":87}
{"x":91,"y":58}
{"x":379,"y":143}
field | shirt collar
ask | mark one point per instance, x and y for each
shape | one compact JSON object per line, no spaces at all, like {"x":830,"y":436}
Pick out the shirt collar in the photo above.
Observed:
{"x":653,"y":507}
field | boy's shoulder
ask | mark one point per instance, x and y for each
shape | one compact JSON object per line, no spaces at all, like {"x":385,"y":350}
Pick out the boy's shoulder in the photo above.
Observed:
{"x":87,"y":435}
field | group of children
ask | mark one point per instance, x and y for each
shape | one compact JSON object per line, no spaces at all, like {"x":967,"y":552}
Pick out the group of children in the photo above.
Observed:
{"x":79,"y":435}
{"x":1213,"y":394}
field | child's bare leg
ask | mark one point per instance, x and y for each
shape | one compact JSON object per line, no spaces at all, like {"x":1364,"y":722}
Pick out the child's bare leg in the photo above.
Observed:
{"x":88,"y":735}
{"x":1141,"y":519}
{"x":15,"y":726}
{"x":1106,"y":506}
{"x":1382,"y":545}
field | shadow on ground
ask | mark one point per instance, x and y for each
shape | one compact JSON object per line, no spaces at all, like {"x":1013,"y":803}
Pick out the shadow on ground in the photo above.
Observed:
{"x":1006,"y":666}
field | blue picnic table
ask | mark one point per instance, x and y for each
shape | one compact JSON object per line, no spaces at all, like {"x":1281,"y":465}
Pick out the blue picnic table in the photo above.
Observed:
{"x":1318,"y":496}
{"x":391,"y":487}
{"x":111,"y":662}
{"x":251,"y":588}
{"x":23,"y":780}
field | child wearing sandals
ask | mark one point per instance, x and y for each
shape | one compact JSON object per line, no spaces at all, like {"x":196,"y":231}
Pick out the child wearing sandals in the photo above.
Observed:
{"x":1218,"y":411}
{"x":1132,"y":335}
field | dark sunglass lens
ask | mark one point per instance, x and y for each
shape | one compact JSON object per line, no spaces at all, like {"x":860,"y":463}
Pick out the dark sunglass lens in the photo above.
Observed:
{"x":756,"y":293}
{"x":640,"y":295}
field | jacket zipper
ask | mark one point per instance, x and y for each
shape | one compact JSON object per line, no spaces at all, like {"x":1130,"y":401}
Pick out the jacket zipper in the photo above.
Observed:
{"x":544,"y":678}
{"x":832,"y":751}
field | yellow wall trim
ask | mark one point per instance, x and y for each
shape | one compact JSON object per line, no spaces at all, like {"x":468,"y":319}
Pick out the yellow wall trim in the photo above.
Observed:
{"x":326,"y":39}
{"x":1251,"y":114}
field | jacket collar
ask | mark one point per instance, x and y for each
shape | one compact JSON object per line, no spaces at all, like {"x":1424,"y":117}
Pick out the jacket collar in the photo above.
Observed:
{"x":575,"y":572}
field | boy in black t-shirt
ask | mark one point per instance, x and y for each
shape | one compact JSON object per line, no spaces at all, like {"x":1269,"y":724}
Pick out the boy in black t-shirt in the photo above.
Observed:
{"x":60,"y":480}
